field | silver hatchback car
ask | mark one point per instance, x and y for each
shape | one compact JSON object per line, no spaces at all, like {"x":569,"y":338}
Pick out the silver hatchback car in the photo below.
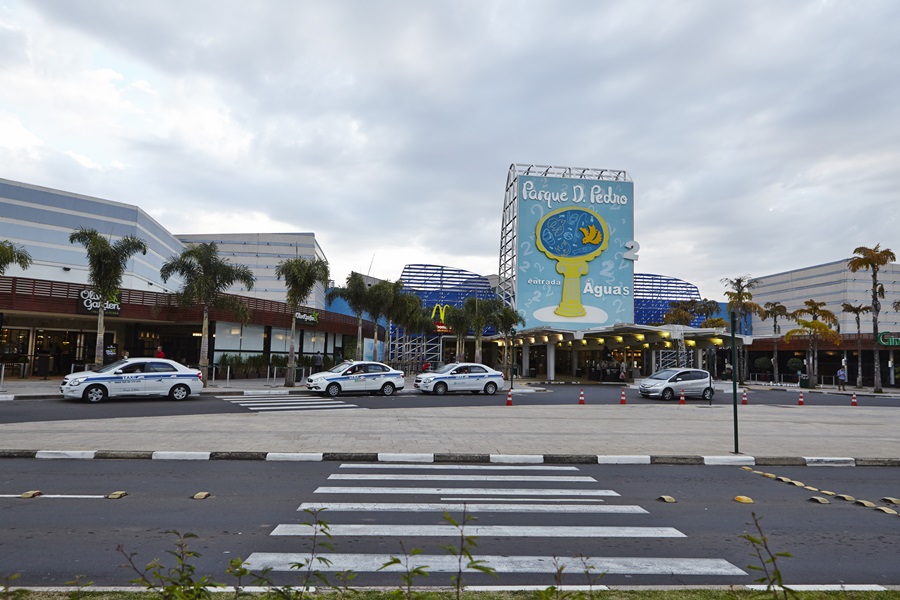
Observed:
{"x":669,"y":383}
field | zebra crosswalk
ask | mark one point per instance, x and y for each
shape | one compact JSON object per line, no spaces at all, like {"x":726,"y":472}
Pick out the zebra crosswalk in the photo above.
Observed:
{"x":285,"y":403}
{"x":558,"y":509}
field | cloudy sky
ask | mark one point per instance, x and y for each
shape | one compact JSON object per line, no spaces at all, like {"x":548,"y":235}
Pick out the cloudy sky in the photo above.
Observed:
{"x":761,"y":135}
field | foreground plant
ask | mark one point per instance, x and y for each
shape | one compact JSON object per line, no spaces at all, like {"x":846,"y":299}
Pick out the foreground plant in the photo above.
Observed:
{"x":175,"y":583}
{"x":768,"y":563}
{"x":410,"y":573}
{"x":463,"y":552}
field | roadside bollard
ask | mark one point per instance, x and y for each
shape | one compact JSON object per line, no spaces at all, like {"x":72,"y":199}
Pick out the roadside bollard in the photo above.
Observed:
{"x":509,"y":398}
{"x":581,"y":397}
{"x":681,"y":400}
{"x":744,"y":399}
{"x":622,"y":400}
{"x":800,"y":402}
{"x":852,"y":400}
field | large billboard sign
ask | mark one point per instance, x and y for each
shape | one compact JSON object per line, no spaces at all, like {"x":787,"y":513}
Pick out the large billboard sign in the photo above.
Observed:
{"x":575,"y":252}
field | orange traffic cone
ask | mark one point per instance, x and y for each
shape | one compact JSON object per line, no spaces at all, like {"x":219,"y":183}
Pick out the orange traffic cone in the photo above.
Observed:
{"x":744,"y":399}
{"x":509,"y":398}
{"x":853,"y":400}
{"x":622,"y":400}
{"x":581,"y":397}
{"x":681,"y":400}
{"x":800,"y":402}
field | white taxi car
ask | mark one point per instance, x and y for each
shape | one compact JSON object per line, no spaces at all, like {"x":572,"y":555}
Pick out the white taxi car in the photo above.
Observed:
{"x":133,"y":377}
{"x":357,"y":376}
{"x":461,"y":377}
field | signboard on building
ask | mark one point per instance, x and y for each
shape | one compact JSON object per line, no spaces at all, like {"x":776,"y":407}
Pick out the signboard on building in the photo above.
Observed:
{"x":575,"y":252}
{"x":89,"y":304}
{"x":307,"y":318}
{"x":889,"y":339}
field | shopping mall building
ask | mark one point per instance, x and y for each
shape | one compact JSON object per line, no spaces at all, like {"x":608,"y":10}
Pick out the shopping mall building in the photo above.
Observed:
{"x":566,"y":264}
{"x":48,"y":308}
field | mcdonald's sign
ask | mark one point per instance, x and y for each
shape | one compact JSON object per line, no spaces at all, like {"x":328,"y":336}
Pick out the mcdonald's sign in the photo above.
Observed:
{"x":440,"y":311}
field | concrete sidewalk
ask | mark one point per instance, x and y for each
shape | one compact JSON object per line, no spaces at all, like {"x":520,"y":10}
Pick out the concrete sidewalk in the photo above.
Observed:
{"x":782,"y":434}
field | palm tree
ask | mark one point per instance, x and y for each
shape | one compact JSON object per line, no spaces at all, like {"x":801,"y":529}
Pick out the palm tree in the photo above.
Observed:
{"x":740,"y":302}
{"x":459,"y":322}
{"x":13,"y":254}
{"x":206,"y":276}
{"x":819,"y":314}
{"x":408,"y":314}
{"x":680,"y":313}
{"x":379,"y":303}
{"x":872,"y":259}
{"x":482,"y":313}
{"x":106,"y":266}
{"x":814,"y":330}
{"x":775,"y":310}
{"x":506,"y":322}
{"x":858,"y":310}
{"x":355,"y":293}
{"x":300,"y":276}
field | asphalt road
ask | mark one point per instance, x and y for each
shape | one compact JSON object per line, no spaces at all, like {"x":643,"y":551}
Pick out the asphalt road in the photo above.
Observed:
{"x":252,"y":512}
{"x":57,"y":409}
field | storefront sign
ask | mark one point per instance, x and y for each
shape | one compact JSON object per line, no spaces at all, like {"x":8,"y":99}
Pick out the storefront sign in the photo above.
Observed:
{"x":889,"y":339}
{"x":575,"y":252}
{"x":89,"y":304}
{"x":311,"y":318}
{"x":440,"y":311}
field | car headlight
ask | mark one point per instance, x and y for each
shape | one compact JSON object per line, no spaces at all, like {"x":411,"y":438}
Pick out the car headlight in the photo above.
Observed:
{"x":76,"y":382}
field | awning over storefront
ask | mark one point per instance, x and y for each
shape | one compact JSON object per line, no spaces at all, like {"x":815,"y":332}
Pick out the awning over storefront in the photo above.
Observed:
{"x":632,"y":336}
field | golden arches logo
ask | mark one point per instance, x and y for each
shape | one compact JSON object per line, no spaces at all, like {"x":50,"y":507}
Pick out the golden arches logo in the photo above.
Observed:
{"x":440,"y":310}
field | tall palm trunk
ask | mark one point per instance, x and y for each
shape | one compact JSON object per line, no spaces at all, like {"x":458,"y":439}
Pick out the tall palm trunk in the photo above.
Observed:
{"x":290,"y":378}
{"x":775,"y":360}
{"x":101,"y":336}
{"x":359,"y":337}
{"x":204,"y":346}
{"x":876,"y":309}
{"x":858,"y":356}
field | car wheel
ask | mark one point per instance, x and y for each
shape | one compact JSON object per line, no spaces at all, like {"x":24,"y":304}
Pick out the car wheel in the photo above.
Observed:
{"x":440,"y":389}
{"x":179,"y":392}
{"x":708,"y":394}
{"x":387,"y":389}
{"x":333,"y":389}
{"x":94,"y":394}
{"x":490,"y":388}
{"x":668,"y":395}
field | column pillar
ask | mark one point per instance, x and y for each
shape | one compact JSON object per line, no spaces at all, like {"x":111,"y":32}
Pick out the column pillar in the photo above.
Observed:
{"x":551,"y":361}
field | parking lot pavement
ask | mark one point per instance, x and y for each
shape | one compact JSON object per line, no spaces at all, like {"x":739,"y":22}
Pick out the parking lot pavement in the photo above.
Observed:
{"x":670,"y":433}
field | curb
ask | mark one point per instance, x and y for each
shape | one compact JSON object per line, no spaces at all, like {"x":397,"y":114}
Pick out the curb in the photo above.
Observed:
{"x":390,"y":457}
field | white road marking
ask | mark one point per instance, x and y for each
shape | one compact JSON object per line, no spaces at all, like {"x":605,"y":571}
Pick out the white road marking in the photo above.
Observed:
{"x":468,"y":500}
{"x":460,"y":467}
{"x":464,"y":491}
{"x":65,"y":496}
{"x":471,"y":507}
{"x":545,"y":531}
{"x":425,"y":477}
{"x":439,"y":563}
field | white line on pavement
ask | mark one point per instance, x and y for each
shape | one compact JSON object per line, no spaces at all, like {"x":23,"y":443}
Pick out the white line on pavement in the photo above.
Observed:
{"x":472,"y":507}
{"x":424,"y":477}
{"x":460,"y":467}
{"x":437,"y":563}
{"x":375,"y":530}
{"x":464,"y":491}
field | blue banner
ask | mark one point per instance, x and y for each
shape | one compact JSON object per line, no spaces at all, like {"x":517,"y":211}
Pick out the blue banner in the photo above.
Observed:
{"x":576,"y":252}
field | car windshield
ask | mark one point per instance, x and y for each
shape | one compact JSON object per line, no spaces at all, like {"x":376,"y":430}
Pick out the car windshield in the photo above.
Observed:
{"x":446,"y":368}
{"x":664,"y":374}
{"x":340,"y":368}
{"x":111,"y":366}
